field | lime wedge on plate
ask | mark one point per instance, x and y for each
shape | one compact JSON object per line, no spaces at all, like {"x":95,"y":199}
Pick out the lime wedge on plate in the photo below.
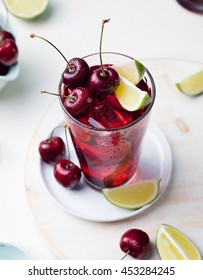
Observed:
{"x":130,"y":96}
{"x":172,"y":244}
{"x":133,"y":196}
{"x":26,"y":9}
{"x":132,"y":71}
{"x":192,"y":85}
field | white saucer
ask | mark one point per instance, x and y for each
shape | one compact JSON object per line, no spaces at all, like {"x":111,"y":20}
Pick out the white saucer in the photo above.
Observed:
{"x":90,"y":204}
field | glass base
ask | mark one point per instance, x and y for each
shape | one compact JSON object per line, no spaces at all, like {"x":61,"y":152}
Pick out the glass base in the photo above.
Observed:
{"x":133,"y":179}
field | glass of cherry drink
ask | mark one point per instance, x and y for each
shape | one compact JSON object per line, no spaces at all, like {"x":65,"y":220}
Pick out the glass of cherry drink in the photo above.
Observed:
{"x":108,"y":138}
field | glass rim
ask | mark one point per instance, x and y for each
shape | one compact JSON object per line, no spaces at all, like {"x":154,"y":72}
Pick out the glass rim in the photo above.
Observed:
{"x":148,"y":110}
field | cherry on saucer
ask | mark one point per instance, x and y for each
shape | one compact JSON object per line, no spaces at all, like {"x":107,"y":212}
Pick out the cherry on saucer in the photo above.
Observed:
{"x":52,"y":149}
{"x":67,"y":173}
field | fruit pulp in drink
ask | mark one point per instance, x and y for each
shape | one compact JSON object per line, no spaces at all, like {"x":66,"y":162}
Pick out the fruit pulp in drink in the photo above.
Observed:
{"x":108,"y":140}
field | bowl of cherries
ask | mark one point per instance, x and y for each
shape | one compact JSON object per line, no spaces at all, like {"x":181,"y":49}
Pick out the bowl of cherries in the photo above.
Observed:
{"x":9,"y":68}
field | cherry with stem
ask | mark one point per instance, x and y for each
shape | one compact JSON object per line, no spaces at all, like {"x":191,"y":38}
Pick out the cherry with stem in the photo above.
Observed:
{"x":77,"y":71}
{"x":103,"y":80}
{"x":126,"y":254}
{"x":135,"y":243}
{"x":78,"y":102}
{"x":66,"y":137}
{"x":73,"y":98}
{"x":66,"y":172}
{"x":52,"y":149}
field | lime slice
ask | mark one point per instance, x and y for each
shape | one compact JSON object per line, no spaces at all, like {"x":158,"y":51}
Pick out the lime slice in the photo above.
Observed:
{"x":130,"y":96}
{"x":174,"y":245}
{"x":26,"y":9}
{"x":132,"y":71}
{"x":133,"y":196}
{"x":192,"y":85}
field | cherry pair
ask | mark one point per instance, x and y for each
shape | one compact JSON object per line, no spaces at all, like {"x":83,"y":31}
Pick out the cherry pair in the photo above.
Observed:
{"x":53,"y":151}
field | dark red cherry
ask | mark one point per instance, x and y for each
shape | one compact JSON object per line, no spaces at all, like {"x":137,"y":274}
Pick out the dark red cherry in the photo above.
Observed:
{"x":77,"y":71}
{"x":79,"y":102}
{"x":104,"y":80}
{"x":6,"y":35}
{"x":8,"y":52}
{"x":67,"y":173}
{"x":52,"y":149}
{"x":76,"y":74}
{"x":94,"y":67}
{"x":135,"y":243}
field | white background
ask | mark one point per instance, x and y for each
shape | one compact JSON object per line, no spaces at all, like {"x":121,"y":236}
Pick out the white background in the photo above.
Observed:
{"x":140,"y":28}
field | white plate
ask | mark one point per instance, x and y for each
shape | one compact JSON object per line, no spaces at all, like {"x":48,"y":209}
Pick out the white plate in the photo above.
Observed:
{"x":72,"y":238}
{"x":90,"y":204}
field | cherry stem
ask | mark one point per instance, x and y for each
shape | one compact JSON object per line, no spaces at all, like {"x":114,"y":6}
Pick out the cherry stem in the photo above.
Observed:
{"x":73,"y":98}
{"x":42,"y":38}
{"x":52,"y":133}
{"x":100,"y":45}
{"x":66,"y":136}
{"x":126,"y":254}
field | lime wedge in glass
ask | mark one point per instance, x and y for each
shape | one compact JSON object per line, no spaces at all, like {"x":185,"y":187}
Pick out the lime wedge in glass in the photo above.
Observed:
{"x":172,"y":244}
{"x":192,"y":85}
{"x":26,"y":9}
{"x":133,"y":196}
{"x":133,"y":71}
{"x":130,"y":96}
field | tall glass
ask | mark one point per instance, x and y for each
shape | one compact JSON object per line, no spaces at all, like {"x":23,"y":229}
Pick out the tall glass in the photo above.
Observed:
{"x":109,"y":157}
{"x":192,"y":5}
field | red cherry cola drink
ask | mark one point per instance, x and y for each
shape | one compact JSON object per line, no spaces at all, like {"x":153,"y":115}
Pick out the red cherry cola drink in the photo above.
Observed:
{"x":108,"y":140}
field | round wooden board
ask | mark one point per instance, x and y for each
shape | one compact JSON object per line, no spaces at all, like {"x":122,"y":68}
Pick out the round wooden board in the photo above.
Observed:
{"x":180,"y":118}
